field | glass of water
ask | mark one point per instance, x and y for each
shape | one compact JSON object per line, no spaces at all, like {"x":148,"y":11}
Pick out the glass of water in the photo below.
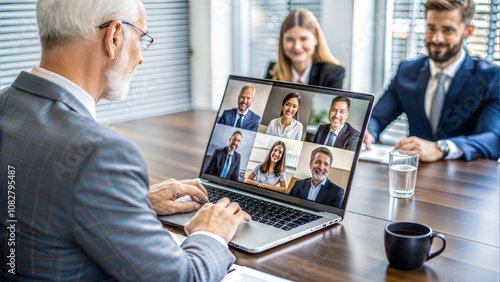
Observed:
{"x":402,"y":173}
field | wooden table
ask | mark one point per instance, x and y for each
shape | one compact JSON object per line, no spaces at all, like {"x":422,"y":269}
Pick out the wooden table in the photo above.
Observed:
{"x":456,"y":198}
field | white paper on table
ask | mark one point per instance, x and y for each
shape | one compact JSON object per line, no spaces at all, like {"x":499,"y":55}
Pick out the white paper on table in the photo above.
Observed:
{"x":246,"y":274}
{"x":378,"y":153}
{"x":240,"y":273}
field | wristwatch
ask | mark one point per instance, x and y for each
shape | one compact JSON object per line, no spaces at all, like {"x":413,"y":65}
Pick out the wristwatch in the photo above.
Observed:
{"x":443,"y":147}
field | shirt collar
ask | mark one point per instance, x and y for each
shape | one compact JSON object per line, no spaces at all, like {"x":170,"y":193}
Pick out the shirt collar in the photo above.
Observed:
{"x":75,"y":90}
{"x":452,"y":69}
{"x":319,"y":185}
{"x":244,"y":113}
{"x":338,"y":130}
{"x":304,"y":78}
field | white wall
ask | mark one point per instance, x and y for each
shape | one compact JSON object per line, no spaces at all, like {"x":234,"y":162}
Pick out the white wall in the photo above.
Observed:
{"x":200,"y":57}
{"x":211,"y":44}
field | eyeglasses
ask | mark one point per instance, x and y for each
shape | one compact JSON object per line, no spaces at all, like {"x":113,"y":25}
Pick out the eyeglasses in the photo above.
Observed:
{"x":145,"y":41}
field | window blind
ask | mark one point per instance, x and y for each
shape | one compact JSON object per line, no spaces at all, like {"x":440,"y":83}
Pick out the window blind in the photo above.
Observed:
{"x":266,"y":17}
{"x":160,"y":86}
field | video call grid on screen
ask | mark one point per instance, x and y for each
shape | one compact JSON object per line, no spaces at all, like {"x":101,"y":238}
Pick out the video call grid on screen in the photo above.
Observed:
{"x":255,"y":145}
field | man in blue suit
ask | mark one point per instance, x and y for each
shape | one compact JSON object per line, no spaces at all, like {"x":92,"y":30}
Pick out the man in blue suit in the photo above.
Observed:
{"x":225,"y":162}
{"x":242,"y":116}
{"x":78,"y":192}
{"x":451,"y":99}
{"x":338,"y":133}
{"x":319,"y":188}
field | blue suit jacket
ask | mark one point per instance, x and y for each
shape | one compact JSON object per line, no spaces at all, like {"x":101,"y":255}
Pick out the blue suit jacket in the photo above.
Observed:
{"x":330,"y":194}
{"x":250,"y":122}
{"x":322,"y":74}
{"x":348,"y":137}
{"x":82,"y":198}
{"x":218,"y":160}
{"x":471,"y":110}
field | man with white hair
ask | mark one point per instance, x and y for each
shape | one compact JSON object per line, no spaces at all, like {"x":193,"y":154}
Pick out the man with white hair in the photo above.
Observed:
{"x":79,"y":206}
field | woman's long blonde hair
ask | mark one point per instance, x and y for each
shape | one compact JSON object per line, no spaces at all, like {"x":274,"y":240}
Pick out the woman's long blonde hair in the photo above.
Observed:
{"x":305,"y":19}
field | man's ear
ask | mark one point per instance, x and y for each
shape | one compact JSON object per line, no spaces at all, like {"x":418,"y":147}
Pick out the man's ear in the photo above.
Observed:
{"x":469,"y":30}
{"x":113,"y":38}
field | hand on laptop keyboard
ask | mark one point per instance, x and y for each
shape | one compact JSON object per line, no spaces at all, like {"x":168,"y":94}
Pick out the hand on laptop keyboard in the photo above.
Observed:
{"x":221,"y":218}
{"x":164,"y":194}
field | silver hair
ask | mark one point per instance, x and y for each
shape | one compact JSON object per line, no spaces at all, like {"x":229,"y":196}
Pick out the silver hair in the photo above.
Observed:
{"x":64,"y":22}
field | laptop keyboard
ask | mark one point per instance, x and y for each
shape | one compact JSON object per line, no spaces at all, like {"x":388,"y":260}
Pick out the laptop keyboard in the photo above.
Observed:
{"x":269,"y":213}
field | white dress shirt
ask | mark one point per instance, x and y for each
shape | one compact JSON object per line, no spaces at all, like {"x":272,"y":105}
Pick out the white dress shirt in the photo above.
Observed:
{"x":304,"y":78}
{"x":81,"y":95}
{"x":314,"y":190}
{"x":292,"y":131}
{"x":337,"y":132}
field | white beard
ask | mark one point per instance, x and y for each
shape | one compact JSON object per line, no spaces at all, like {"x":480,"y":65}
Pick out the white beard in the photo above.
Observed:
{"x":118,"y":79}
{"x":319,"y":177}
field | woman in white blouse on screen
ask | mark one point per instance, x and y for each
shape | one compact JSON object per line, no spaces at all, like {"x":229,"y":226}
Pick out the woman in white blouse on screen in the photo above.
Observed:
{"x":287,"y":125}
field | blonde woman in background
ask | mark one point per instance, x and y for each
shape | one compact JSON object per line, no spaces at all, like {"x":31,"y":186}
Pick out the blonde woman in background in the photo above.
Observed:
{"x":271,"y":172}
{"x":303,"y":55}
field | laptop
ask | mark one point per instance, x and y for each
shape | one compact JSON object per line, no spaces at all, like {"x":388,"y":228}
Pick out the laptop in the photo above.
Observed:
{"x":281,"y":202}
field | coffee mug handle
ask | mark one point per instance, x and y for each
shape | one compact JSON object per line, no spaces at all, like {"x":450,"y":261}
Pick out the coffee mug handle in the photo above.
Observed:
{"x":441,"y":236}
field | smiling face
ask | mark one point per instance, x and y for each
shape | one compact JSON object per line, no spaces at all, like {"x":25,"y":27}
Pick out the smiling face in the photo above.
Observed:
{"x":290,"y":107}
{"x":320,"y":166}
{"x":299,"y":45}
{"x":444,"y":34}
{"x":338,"y":114}
{"x":234,"y":142}
{"x":245,"y":99}
{"x":277,"y":153}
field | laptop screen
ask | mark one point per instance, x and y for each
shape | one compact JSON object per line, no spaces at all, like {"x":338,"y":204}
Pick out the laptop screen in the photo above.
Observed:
{"x":291,"y":142}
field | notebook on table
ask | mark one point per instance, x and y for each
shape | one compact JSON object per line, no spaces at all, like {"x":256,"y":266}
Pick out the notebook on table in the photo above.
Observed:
{"x":278,"y":216}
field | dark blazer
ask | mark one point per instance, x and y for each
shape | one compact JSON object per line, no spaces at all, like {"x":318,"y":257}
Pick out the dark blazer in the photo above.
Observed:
{"x":471,"y":110}
{"x":330,"y":194}
{"x":347,"y":139}
{"x":217,"y":161}
{"x":82,"y":198}
{"x":250,"y":122}
{"x":322,"y":74}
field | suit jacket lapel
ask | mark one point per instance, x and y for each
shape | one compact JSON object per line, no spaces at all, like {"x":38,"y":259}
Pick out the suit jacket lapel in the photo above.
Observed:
{"x":338,"y":139}
{"x":324,"y":132}
{"x":461,"y":77}
{"x":421,"y":87}
{"x":306,"y":187}
{"x":314,"y":75}
{"x":38,"y":86}
{"x":234,"y":114}
{"x":323,"y":191}
{"x":247,"y":118}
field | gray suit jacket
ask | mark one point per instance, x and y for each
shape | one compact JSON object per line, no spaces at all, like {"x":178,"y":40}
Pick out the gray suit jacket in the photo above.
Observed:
{"x":81,"y":198}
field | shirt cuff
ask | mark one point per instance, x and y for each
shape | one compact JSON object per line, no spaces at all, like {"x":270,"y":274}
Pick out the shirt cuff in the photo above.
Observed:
{"x":212,"y":235}
{"x":455,"y":152}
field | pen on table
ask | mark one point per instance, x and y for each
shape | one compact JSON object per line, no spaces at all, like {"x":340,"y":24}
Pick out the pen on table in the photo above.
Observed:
{"x":231,"y":270}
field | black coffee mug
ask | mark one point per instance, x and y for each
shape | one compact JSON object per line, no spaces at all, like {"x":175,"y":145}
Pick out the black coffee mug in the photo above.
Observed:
{"x":408,"y":244}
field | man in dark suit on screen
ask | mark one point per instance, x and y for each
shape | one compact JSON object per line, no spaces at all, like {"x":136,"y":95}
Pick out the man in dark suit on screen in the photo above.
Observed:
{"x":338,"y":133}
{"x":225,"y":162}
{"x":242,"y":116}
{"x":319,"y":188}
